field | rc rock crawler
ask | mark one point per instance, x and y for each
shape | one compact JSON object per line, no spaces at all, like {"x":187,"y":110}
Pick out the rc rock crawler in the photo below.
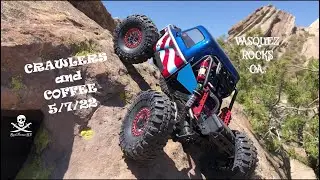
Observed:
{"x":196,"y":75}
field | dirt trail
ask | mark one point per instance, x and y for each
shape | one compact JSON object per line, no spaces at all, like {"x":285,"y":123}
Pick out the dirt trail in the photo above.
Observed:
{"x":101,"y":157}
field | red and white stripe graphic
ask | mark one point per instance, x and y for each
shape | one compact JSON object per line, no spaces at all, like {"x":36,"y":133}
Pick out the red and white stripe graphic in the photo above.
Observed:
{"x":171,"y":57}
{"x":164,"y":42}
{"x":171,"y":61}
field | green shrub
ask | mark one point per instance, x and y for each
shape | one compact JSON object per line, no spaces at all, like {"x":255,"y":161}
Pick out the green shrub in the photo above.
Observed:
{"x":84,"y":48}
{"x":289,"y":80}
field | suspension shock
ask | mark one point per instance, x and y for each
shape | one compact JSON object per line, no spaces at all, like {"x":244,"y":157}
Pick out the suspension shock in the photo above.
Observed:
{"x":202,"y":80}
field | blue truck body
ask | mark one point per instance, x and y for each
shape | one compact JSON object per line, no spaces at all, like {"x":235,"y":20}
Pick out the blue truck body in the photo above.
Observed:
{"x":205,"y":47}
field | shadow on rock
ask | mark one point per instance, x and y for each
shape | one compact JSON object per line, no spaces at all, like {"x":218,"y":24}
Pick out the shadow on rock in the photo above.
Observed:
{"x":136,"y":76}
{"x":110,"y":93}
{"x":163,"y":167}
{"x":210,"y":164}
{"x":201,"y":166}
{"x":62,"y":138}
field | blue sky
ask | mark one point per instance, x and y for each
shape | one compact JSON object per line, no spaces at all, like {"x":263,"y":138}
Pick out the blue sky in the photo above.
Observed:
{"x":216,"y":16}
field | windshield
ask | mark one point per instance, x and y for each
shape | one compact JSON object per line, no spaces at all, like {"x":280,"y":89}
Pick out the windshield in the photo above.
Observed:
{"x":192,"y":37}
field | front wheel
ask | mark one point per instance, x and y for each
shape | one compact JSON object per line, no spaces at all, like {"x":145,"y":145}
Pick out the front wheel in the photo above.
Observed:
{"x":147,"y":126}
{"x":134,"y":39}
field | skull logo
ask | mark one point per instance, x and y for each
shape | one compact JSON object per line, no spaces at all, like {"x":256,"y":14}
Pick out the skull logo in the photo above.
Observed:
{"x":21,"y":119}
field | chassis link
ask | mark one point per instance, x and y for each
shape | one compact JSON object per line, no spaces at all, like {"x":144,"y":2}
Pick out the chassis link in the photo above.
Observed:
{"x":218,"y":133}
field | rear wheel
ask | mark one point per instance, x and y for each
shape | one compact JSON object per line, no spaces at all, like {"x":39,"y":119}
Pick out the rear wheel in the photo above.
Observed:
{"x":220,"y":166}
{"x":134,"y":39}
{"x":147,"y":126}
{"x":245,"y":160}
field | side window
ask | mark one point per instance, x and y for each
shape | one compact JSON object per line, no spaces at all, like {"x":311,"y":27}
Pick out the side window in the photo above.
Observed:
{"x":192,"y":37}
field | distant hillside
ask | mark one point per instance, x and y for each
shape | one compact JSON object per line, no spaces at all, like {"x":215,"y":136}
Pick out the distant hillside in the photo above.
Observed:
{"x":278,"y":23}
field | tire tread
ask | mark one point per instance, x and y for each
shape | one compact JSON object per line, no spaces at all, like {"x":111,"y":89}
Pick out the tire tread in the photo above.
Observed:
{"x":145,"y":51}
{"x":157,"y":131}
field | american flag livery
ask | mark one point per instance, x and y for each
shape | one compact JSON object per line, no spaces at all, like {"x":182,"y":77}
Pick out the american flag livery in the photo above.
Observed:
{"x":164,"y":42}
{"x":171,"y":57}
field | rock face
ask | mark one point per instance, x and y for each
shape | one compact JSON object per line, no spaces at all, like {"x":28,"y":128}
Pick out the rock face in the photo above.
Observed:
{"x":36,"y":36}
{"x":300,"y":170}
{"x":35,"y":32}
{"x":278,"y":23}
{"x":311,"y":46}
{"x":96,"y":11}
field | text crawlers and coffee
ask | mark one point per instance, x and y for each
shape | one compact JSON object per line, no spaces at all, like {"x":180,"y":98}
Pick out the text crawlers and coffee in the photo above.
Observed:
{"x":62,"y":63}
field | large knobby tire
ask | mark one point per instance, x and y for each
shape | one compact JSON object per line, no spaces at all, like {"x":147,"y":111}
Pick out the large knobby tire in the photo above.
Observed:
{"x":134,"y":39}
{"x":147,"y":141}
{"x":245,"y":160}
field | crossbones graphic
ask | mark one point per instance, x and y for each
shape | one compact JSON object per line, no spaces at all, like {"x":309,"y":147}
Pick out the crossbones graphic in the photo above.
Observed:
{"x":20,"y":124}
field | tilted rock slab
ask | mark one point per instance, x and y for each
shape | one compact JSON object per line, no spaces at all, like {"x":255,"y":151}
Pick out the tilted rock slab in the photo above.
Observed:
{"x":96,"y":11}
{"x":40,"y":31}
{"x":274,"y":22}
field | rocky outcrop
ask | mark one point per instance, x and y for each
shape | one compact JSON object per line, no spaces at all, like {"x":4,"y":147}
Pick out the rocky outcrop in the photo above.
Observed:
{"x":271,"y":21}
{"x":117,"y":21}
{"x":311,"y":46}
{"x":301,"y":171}
{"x":96,"y":11}
{"x":277,"y":23}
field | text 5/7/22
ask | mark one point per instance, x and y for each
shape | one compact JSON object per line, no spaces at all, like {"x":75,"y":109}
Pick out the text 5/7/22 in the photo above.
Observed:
{"x":72,"y":106}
